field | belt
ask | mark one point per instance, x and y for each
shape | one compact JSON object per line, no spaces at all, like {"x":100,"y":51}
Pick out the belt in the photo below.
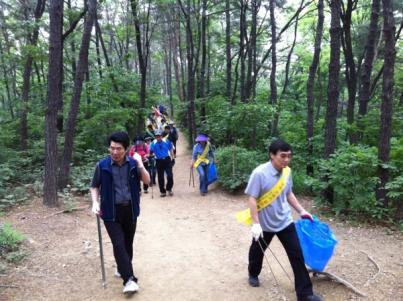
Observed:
{"x":163,"y":158}
{"x":124,"y":204}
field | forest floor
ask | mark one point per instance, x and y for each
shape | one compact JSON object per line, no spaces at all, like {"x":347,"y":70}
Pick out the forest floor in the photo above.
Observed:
{"x":187,"y":247}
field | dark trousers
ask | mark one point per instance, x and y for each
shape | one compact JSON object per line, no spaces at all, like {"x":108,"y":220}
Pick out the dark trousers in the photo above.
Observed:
{"x":152,"y":170}
{"x":174,"y":143}
{"x":289,"y":239}
{"x":121,"y":233}
{"x":146,"y":166}
{"x":165,"y":166}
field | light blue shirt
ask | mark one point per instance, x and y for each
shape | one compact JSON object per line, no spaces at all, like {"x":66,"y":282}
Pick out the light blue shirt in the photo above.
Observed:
{"x":161,"y":148}
{"x":277,"y":216}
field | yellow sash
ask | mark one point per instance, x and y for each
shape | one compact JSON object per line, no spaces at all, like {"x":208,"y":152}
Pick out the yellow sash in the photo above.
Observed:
{"x":202,"y":158}
{"x":266,"y":199}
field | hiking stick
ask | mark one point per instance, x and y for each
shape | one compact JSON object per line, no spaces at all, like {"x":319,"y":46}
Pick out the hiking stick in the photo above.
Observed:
{"x":151,"y":182}
{"x":101,"y":253}
{"x":285,"y":272}
{"x":267,"y":261}
{"x":190,"y":175}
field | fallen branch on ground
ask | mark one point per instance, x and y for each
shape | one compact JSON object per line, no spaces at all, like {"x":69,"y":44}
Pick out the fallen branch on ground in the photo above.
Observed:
{"x":67,"y":211}
{"x":338,"y":279}
{"x":377,"y":266}
{"x":8,"y":286}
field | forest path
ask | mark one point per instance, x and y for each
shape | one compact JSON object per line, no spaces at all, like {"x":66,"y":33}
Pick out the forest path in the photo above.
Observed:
{"x":187,"y":247}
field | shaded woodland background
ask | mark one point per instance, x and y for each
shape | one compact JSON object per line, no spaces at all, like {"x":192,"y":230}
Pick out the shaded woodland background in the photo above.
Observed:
{"x":325,"y":76}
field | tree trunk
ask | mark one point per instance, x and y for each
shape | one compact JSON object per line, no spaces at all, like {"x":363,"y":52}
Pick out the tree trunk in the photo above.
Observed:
{"x":202,"y":83}
{"x":55,"y":71}
{"x":32,"y":40}
{"x":6,"y":83}
{"x":333,"y":87}
{"x":251,"y":51}
{"x":387,"y":101}
{"x":107,"y":61}
{"x":350,"y":70}
{"x":228,"y":49}
{"x":81,"y":69}
{"x":273,"y":85}
{"x":142,"y":55}
{"x":288,"y":64}
{"x":242,"y":37}
{"x":365,"y":88}
{"x":191,"y":68}
{"x":174,"y":41}
{"x":310,"y":87}
{"x":99,"y":62}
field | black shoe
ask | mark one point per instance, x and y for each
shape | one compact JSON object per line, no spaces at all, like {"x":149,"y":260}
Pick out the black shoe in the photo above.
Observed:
{"x":163,"y":194}
{"x":310,"y":298}
{"x":145,"y":191}
{"x":254,"y":281}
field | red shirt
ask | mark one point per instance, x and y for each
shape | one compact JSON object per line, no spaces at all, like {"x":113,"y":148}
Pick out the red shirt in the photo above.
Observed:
{"x":143,"y":150}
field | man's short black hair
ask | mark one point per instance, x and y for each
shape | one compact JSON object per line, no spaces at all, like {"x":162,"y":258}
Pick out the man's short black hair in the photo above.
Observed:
{"x":119,"y":137}
{"x":167,"y":127}
{"x":279,"y":145}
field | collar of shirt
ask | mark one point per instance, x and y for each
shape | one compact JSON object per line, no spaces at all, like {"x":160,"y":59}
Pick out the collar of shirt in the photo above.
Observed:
{"x":114,"y":163}
{"x":274,"y":172}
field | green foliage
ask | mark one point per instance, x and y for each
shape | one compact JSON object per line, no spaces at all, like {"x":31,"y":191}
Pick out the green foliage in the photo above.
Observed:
{"x":82,"y":172}
{"x":351,"y":172}
{"x":395,"y":189}
{"x":10,"y":241}
{"x":235,"y":164}
{"x":16,"y":256}
{"x":240,"y":124}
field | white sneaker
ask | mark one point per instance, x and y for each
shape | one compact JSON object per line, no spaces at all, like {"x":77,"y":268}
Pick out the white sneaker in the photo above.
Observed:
{"x":130,"y":287}
{"x":117,"y":274}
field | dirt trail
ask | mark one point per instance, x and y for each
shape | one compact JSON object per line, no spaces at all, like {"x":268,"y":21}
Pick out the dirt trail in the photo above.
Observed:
{"x":187,"y":247}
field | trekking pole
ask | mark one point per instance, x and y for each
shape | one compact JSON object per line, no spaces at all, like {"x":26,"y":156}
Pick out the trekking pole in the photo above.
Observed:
{"x":152,"y":177}
{"x":278,"y":261}
{"x":267,"y":261}
{"x":193,"y":178}
{"x":152,"y":186}
{"x":190,"y":175}
{"x":101,"y":253}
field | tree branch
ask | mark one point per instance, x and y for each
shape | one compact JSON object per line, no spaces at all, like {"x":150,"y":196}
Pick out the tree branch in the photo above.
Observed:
{"x":74,"y":23}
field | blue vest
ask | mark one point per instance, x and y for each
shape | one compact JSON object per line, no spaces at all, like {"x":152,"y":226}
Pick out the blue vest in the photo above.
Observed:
{"x":108,"y":191}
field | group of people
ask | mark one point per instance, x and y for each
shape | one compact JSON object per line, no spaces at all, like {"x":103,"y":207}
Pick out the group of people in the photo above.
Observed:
{"x":115,"y":192}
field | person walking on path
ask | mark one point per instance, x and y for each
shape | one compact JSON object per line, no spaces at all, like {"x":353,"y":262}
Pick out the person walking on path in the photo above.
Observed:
{"x":141,"y":148}
{"x":165,"y":159}
{"x":270,"y":186}
{"x":171,"y":133}
{"x":202,"y":158}
{"x":115,"y":198}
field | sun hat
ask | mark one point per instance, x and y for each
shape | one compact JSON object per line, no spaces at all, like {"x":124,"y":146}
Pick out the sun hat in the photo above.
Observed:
{"x":202,"y":138}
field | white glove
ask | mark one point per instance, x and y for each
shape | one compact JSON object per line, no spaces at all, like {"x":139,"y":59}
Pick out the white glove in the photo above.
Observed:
{"x":95,"y":208}
{"x":306,"y":214}
{"x":137,"y":157}
{"x":257,"y":231}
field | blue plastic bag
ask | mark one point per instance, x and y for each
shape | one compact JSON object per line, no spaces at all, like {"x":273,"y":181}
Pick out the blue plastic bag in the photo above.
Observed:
{"x":317,"y":242}
{"x":212,"y":175}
